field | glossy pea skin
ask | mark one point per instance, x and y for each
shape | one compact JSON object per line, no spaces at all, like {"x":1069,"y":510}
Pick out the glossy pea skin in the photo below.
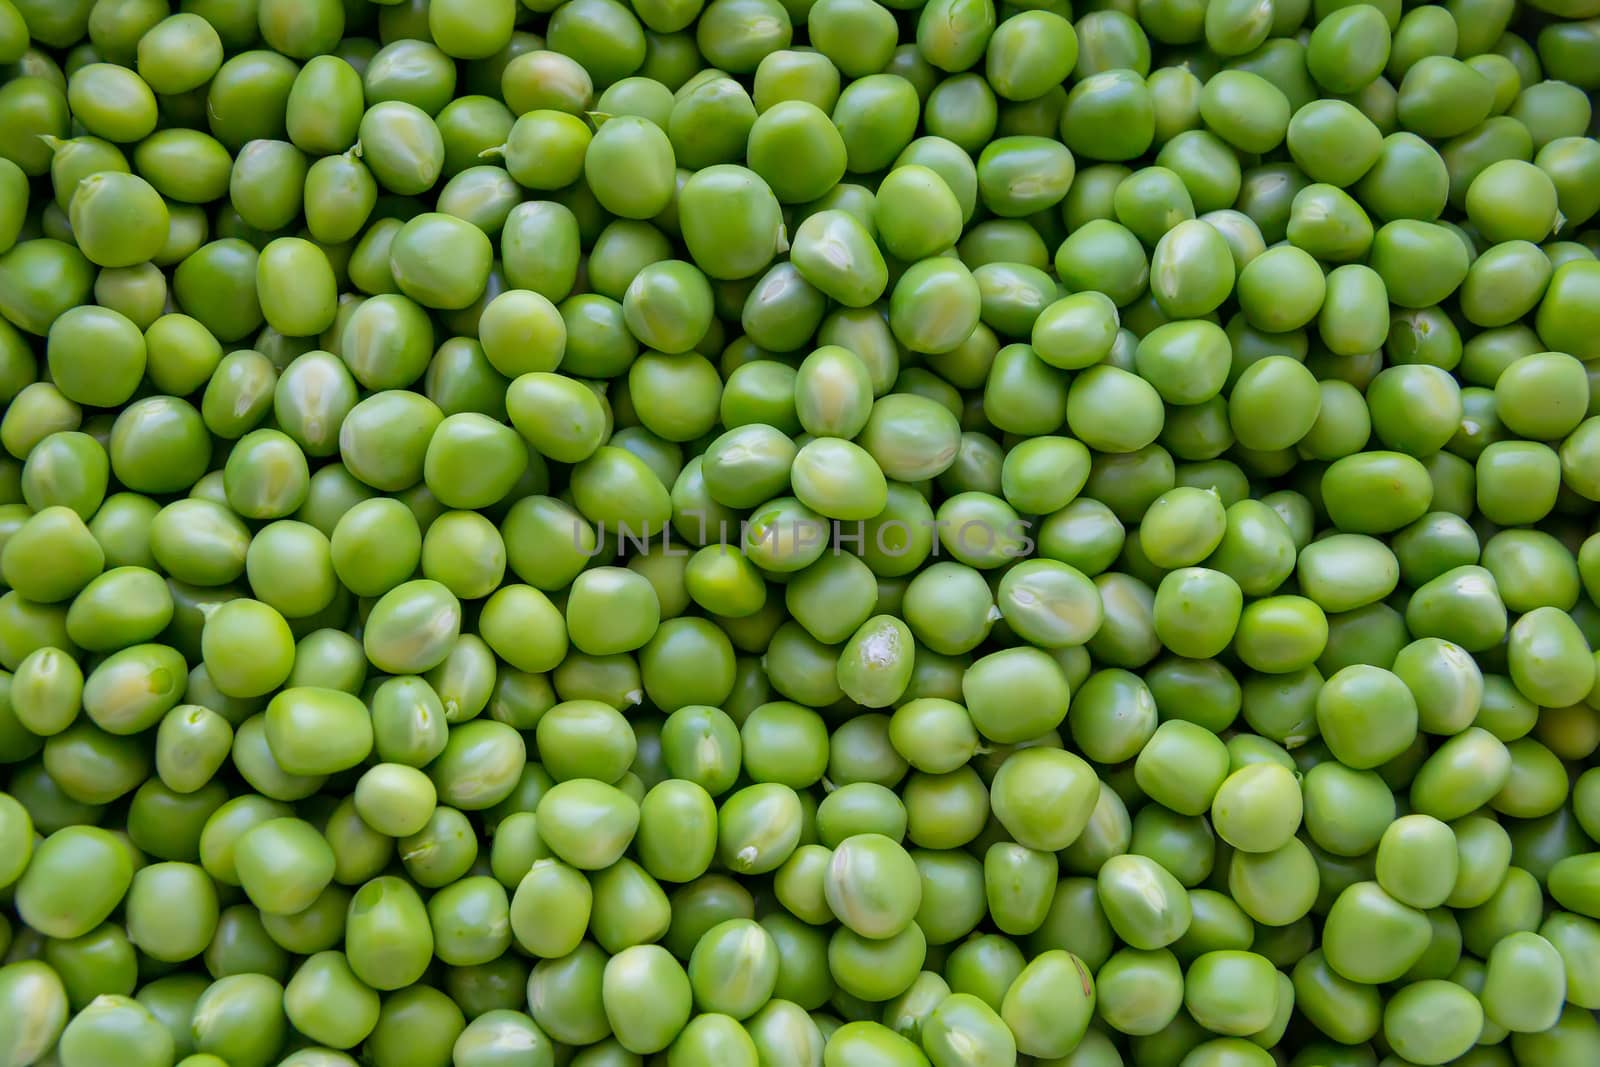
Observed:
{"x":42,"y":899}
{"x":1296,"y":432}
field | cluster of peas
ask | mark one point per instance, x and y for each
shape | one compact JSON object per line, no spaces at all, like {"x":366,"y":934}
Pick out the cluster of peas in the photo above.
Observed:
{"x":773,"y":533}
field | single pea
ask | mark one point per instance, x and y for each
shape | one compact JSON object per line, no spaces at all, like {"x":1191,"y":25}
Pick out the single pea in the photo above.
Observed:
{"x":1366,"y":906}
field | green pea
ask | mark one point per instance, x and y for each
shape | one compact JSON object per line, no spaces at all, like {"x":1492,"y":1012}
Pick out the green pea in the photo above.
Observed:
{"x":1361,"y":957}
{"x":647,"y":998}
{"x":54,"y":897}
{"x":1231,"y":992}
{"x":1429,"y":80}
{"x":1058,"y":979}
{"x":113,"y":1022}
{"x":1451,"y":1012}
{"x":835,"y":253}
{"x":1548,"y":657}
{"x":401,"y":144}
{"x":758,"y":827}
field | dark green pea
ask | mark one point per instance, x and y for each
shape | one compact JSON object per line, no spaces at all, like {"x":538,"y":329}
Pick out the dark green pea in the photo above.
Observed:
{"x":219,"y":838}
{"x":248,"y":97}
{"x":702,"y":904}
{"x":1569,"y":934}
{"x":138,"y":293}
{"x":93,"y":767}
{"x":443,"y":851}
{"x":420,"y":1022}
{"x":783,"y":311}
{"x":172,"y":911}
{"x":862,"y":805}
{"x":471,"y":126}
{"x":1559,"y":321}
{"x":34,"y":108}
{"x":858,"y":38}
{"x":785,"y":743}
{"x":469,"y":922}
{"x":1151,"y":201}
{"x":1452,"y":1013}
{"x":1013,"y":295}
{"x":369,"y":268}
{"x":1345,"y":705}
{"x":66,"y":469}
{"x":473,"y":461}
{"x":535,"y":399}
{"x":1231,"y":992}
{"x":1281,"y":290}
{"x":324,"y":107}
{"x":1104,"y":256}
{"x":621,"y":251}
{"x":585,"y":739}
{"x":667,"y":306}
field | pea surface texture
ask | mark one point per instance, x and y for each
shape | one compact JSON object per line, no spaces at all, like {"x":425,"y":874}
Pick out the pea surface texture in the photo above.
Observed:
{"x":799,"y":533}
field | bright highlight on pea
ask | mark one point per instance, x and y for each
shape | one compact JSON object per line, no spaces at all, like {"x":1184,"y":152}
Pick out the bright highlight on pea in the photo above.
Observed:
{"x":799,"y":533}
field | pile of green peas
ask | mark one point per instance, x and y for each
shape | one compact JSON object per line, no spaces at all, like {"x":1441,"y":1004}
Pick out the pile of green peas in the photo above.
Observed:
{"x":799,"y":533}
